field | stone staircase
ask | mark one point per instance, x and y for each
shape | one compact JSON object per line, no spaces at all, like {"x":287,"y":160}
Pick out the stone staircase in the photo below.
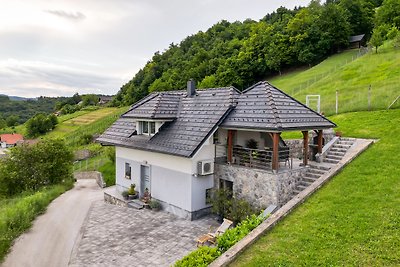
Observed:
{"x":338,"y":150}
{"x":316,"y":170}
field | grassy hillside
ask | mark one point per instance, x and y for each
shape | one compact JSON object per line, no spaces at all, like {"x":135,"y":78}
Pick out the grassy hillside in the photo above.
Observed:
{"x":352,"y":80}
{"x":352,"y":221}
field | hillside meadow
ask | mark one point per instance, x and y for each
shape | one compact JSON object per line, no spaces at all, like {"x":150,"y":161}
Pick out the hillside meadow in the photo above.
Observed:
{"x":368,"y":82}
{"x":354,"y":220}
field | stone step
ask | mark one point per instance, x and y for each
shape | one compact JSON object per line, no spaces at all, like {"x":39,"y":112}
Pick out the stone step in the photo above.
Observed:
{"x":296,"y":191}
{"x":301,"y":187}
{"x":319,"y":167}
{"x":341,"y":146}
{"x":136,"y":204}
{"x":340,"y":154}
{"x":347,"y":139}
{"x":309,"y":179}
{"x":332,"y":161}
{"x":304,"y":183}
{"x":338,"y":150}
{"x":312,"y":175}
{"x":314,"y":170}
{"x":329,"y":156}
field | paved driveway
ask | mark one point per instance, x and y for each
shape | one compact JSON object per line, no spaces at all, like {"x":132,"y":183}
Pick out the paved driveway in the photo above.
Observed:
{"x":50,"y":240}
{"x":119,"y":236}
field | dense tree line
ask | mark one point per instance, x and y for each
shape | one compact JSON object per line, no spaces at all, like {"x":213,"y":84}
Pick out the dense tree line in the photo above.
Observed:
{"x":242,"y":53}
{"x":41,"y":124}
{"x":30,"y":167}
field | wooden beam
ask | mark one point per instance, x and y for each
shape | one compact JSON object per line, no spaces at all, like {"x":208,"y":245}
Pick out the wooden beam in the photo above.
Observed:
{"x":275,"y":151}
{"x":305,"y":147}
{"x":230,"y":145}
{"x":320,"y":141}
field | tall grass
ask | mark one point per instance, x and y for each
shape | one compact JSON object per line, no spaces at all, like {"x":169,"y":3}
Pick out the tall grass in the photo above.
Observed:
{"x":17,"y":213}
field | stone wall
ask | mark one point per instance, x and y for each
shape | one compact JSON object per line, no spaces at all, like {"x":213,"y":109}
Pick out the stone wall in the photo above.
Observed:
{"x":259,"y":187}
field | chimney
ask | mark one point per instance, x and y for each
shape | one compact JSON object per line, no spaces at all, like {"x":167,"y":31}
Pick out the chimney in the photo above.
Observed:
{"x":191,"y":88}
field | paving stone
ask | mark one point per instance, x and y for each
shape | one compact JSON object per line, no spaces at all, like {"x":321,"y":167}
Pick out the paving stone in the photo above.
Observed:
{"x":120,"y":236}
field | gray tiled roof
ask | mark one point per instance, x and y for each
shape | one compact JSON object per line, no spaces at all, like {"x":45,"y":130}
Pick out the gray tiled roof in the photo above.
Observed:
{"x":266,"y":108}
{"x":356,"y":38}
{"x":191,"y":120}
{"x":163,"y":105}
{"x":196,"y":119}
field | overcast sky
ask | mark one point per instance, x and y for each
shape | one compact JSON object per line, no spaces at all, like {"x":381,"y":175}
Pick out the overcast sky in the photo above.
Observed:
{"x":60,"y":47}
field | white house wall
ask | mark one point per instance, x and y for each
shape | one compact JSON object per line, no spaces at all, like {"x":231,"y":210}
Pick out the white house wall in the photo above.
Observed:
{"x":174,"y":180}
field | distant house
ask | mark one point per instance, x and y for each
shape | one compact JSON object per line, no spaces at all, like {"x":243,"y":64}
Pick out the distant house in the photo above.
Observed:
{"x":10,"y":140}
{"x":104,"y":99}
{"x":180,"y":145}
{"x":357,"y":41}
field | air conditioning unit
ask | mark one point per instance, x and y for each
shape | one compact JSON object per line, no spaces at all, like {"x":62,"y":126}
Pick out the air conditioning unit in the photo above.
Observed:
{"x":205,"y":167}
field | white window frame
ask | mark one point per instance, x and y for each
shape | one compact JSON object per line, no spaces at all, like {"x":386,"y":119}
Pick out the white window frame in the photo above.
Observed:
{"x":147,"y":127}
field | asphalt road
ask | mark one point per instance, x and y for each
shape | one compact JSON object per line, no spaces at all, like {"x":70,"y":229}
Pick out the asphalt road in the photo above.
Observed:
{"x":52,"y":237}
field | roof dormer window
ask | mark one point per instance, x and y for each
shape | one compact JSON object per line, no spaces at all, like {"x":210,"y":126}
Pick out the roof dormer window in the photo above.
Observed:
{"x":147,"y":127}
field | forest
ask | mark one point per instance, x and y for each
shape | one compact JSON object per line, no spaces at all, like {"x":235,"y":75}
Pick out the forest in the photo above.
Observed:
{"x":242,"y":53}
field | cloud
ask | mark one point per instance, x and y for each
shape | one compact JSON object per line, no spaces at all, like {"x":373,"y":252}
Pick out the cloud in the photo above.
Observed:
{"x":35,"y":78}
{"x":67,"y":15}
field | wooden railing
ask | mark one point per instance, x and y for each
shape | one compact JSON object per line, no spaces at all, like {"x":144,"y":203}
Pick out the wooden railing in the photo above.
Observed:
{"x":258,"y":158}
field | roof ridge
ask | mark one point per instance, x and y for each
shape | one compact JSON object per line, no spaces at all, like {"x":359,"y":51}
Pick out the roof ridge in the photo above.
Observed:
{"x":271,"y":102}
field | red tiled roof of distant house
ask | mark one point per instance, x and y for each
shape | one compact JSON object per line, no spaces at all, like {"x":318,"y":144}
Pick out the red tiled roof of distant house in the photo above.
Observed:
{"x":11,"y":139}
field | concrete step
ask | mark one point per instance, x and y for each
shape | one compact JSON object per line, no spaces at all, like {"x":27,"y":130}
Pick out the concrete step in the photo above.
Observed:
{"x":312,"y":175}
{"x":296,"y":191}
{"x":319,"y":167}
{"x":329,"y":156}
{"x":301,"y":187}
{"x":136,"y":204}
{"x":304,"y":183}
{"x":341,"y":146}
{"x":309,"y":180}
{"x":346,"y":142}
{"x":332,"y":161}
{"x":339,"y":154}
{"x":347,"y":139}
{"x":314,"y":170}
{"x":338,"y":150}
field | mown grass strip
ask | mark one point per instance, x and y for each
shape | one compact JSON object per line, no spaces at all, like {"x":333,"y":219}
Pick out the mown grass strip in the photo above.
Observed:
{"x":18,"y":213}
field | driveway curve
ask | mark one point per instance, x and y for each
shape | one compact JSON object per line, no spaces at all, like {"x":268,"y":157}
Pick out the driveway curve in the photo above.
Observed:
{"x":52,"y":237}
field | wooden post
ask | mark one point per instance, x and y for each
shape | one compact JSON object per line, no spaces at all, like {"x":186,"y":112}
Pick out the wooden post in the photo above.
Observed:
{"x":230,"y":145}
{"x":320,"y":141}
{"x":275,"y":151}
{"x":305,"y":147}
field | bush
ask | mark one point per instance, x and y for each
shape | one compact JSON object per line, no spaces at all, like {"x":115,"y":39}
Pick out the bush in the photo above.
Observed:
{"x":227,"y":206}
{"x":203,"y":256}
{"x":85,"y":139}
{"x":30,"y":167}
{"x":155,"y":204}
{"x":232,"y":236}
{"x":108,"y":171}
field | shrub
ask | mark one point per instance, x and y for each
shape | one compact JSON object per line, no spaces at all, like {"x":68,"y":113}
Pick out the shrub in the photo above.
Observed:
{"x":31,"y":167}
{"x":155,"y":204}
{"x":203,"y":256}
{"x":108,"y":171}
{"x":232,"y":236}
{"x":85,"y":139}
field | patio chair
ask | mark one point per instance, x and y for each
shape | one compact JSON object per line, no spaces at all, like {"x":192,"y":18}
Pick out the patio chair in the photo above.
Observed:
{"x":212,"y":237}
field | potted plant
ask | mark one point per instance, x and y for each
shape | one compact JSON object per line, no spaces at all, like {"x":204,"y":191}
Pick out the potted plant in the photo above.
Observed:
{"x":155,"y":205}
{"x":131,"y":192}
{"x":125,"y":194}
{"x":146,"y":196}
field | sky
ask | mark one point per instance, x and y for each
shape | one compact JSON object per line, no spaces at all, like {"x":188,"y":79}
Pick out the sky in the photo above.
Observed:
{"x":60,"y":47}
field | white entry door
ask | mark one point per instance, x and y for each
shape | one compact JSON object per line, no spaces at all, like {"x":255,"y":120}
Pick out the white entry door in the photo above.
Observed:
{"x":144,"y":179}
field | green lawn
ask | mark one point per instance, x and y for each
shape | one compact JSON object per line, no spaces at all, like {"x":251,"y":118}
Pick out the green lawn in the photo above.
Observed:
{"x":352,"y":80}
{"x":354,"y":220}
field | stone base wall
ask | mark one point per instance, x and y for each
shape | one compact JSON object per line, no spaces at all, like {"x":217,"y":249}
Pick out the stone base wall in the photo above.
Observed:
{"x":109,"y":198}
{"x":258,"y":187}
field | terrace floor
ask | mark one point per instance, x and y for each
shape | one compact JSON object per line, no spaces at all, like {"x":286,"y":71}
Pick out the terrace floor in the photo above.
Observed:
{"x":121,"y":236}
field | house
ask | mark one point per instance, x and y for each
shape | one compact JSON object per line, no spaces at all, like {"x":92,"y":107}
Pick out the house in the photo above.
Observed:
{"x":180,"y":145}
{"x":10,"y":140}
{"x":104,"y":99}
{"x":357,"y":41}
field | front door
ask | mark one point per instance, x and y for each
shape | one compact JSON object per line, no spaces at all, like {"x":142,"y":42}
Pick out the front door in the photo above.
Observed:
{"x":144,"y":179}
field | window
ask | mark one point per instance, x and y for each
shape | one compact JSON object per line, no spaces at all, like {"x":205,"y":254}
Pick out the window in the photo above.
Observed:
{"x":152,"y":127}
{"x":127,"y":170}
{"x":147,"y":127}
